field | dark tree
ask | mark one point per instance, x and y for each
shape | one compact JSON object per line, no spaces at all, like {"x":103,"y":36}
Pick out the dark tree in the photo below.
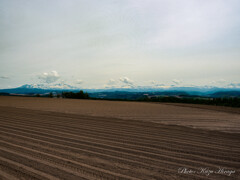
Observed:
{"x":51,"y":95}
{"x":78,"y":95}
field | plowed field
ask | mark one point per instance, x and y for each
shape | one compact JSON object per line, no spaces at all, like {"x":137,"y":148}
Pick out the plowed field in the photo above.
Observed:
{"x":47,"y":141}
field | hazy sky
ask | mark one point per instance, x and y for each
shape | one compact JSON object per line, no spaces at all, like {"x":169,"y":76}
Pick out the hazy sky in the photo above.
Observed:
{"x":119,"y":43}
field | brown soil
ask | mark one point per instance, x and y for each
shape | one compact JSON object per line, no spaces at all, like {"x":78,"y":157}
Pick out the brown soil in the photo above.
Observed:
{"x":224,"y":119}
{"x":42,"y":138}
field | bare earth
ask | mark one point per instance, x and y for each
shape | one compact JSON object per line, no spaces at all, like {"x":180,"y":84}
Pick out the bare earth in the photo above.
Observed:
{"x":43,"y":138}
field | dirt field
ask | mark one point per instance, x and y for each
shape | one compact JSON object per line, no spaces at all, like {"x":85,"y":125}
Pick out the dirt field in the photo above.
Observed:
{"x":43,"y":138}
{"x":219,"y":118}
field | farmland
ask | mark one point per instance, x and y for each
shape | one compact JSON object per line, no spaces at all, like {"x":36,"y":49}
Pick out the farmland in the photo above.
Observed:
{"x":43,"y":138}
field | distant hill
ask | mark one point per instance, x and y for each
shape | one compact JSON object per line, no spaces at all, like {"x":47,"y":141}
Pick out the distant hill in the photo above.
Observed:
{"x":226,"y":94}
{"x":35,"y":89}
{"x":123,"y":93}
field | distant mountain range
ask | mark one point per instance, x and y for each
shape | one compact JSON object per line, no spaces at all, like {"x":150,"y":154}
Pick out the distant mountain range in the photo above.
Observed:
{"x":47,"y":86}
{"x":125,"y":93}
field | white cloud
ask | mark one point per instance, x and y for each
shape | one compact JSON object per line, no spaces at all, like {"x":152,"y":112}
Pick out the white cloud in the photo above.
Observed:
{"x":123,"y":82}
{"x":79,"y":81}
{"x":49,"y":77}
{"x":158,"y":85}
{"x":153,"y":82}
{"x":61,"y":86}
{"x":219,"y":83}
{"x":4,"y":77}
{"x":187,"y":23}
{"x":126,"y":80}
{"x":233,"y":85}
{"x":176,"y":81}
{"x":127,"y":83}
{"x":146,"y":39}
{"x":111,"y":82}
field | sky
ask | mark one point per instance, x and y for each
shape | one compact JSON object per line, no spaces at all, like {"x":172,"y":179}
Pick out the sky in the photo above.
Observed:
{"x":120,"y":43}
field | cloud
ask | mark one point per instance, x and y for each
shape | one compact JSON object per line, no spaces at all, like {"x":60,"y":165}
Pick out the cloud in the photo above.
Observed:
{"x":79,"y":81}
{"x":176,"y":81}
{"x":123,"y":82}
{"x":126,"y":80}
{"x":187,"y":23}
{"x":4,"y":77}
{"x":111,"y":82}
{"x":127,"y":83}
{"x":157,"y":84}
{"x":61,"y":86}
{"x":49,"y":77}
{"x":220,"y":81}
{"x":153,"y":82}
{"x":233,"y":85}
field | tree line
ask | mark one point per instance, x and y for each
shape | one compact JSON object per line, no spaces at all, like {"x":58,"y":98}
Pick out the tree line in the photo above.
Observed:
{"x":225,"y":101}
{"x":72,"y":95}
{"x":78,"y":95}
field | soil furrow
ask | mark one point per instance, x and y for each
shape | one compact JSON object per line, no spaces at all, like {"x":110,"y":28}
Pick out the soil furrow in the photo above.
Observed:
{"x":127,"y":153}
{"x":142,"y":148}
{"x":79,"y":139}
{"x":208,"y":150}
{"x":28,"y":153}
{"x":113,"y":166}
{"x":119,"y":122}
{"x":177,"y":166}
{"x":65,"y":165}
{"x":165,"y":140}
{"x":20,"y":170}
{"x":6,"y":176}
{"x":83,"y":152}
{"x":151,"y":132}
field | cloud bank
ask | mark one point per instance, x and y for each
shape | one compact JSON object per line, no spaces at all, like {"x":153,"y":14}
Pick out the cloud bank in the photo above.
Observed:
{"x":4,"y":77}
{"x":50,"y":77}
{"x":196,"y":41}
{"x":176,"y":81}
{"x":79,"y":81}
{"x":126,"y":80}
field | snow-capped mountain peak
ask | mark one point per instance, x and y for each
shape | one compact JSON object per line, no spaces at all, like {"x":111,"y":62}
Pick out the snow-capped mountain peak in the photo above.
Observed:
{"x":48,"y":86}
